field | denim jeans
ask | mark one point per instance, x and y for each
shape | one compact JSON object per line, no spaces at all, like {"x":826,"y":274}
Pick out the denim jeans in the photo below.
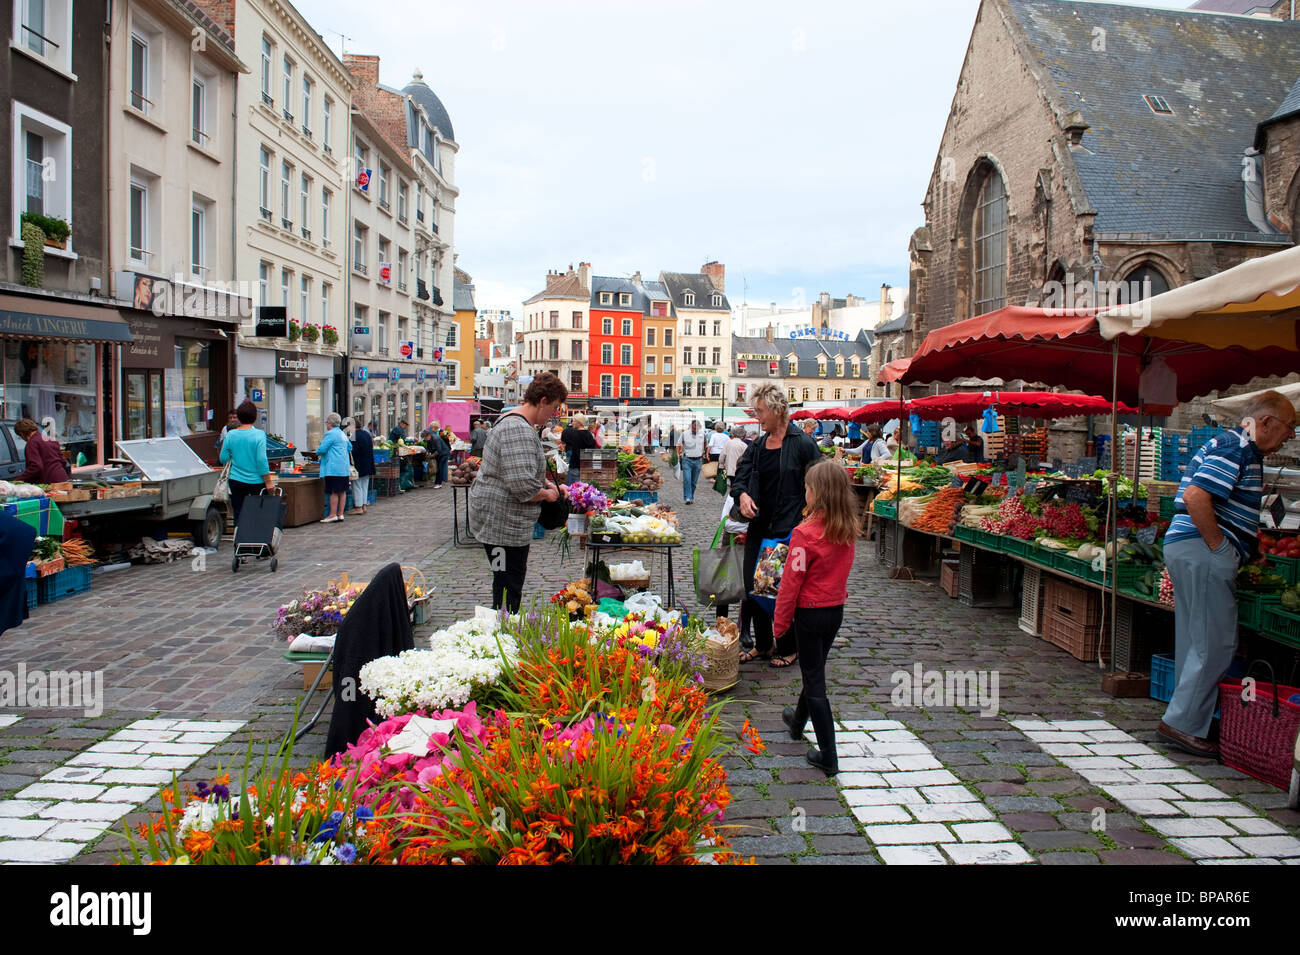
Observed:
{"x":690,"y":476}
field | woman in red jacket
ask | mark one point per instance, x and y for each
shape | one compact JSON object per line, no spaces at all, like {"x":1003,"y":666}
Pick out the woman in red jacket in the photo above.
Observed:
{"x":45,"y":463}
{"x":814,"y":586}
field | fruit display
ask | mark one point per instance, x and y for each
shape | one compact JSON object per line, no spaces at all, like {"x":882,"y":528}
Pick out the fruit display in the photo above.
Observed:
{"x":466,"y":471}
{"x":639,"y":472}
{"x":1279,"y":546}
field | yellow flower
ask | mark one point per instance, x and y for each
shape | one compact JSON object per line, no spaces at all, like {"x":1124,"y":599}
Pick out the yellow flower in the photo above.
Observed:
{"x":650,"y":640}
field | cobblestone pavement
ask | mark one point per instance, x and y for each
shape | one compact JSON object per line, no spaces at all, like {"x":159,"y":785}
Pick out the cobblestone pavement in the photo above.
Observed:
{"x":1060,"y":775}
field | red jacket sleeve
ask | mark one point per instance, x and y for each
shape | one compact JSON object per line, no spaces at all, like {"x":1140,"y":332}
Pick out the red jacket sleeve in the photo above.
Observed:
{"x":792,"y":578}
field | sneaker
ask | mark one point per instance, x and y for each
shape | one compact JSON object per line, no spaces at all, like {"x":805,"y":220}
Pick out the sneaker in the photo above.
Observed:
{"x":328,"y":520}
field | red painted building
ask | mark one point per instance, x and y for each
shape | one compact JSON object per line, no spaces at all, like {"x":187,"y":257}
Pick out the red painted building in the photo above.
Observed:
{"x":614,"y":364}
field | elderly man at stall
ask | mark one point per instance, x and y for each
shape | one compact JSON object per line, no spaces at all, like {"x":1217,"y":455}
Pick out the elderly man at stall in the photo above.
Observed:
{"x":1214,"y":529}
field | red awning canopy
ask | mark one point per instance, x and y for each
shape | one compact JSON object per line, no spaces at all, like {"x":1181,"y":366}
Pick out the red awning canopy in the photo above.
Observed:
{"x":833,"y":414}
{"x":801,"y":414}
{"x":966,"y":406}
{"x":878,"y":412}
{"x":1065,"y":347}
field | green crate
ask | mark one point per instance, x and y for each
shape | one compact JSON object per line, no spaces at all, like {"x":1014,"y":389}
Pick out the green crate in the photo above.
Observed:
{"x":1042,"y":556}
{"x":888,"y":509}
{"x":1250,"y":607}
{"x":1075,"y":566}
{"x":1017,"y":547}
{"x":1167,"y":508}
{"x":1130,"y":572}
{"x":1277,"y":624}
{"x":1287,"y":567}
{"x":989,"y":540}
{"x":963,"y":533}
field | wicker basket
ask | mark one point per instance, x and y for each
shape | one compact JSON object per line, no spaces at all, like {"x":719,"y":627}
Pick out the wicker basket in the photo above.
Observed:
{"x":721,"y":664}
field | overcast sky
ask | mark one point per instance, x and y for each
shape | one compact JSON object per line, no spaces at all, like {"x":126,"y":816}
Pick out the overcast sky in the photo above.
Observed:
{"x":792,"y":142}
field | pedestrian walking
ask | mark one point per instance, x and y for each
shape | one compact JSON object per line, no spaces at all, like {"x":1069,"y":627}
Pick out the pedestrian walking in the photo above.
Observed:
{"x":505,"y":499}
{"x":477,"y":438}
{"x":690,"y":449}
{"x":717,"y":442}
{"x":245,"y":451}
{"x":810,"y":602}
{"x":577,"y":439}
{"x":1214,"y":530}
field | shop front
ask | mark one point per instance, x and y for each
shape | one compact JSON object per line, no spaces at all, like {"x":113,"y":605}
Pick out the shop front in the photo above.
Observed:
{"x":293,"y":392}
{"x":177,"y":377}
{"x":57,"y":360}
{"x":388,"y":396}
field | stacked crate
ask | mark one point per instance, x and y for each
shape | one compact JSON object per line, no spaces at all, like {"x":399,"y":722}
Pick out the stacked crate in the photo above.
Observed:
{"x":1150,"y":449}
{"x":1073,"y":620}
{"x":598,"y":467}
{"x":387,"y":479}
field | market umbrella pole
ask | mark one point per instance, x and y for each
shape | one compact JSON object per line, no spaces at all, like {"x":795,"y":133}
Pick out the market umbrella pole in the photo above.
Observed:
{"x":1112,"y":518}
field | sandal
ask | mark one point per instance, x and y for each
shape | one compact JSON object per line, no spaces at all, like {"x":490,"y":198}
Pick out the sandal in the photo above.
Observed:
{"x":780,"y":663}
{"x":750,"y":655}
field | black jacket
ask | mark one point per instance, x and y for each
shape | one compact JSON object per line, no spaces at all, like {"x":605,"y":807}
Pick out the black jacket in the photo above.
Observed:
{"x":799,"y":452}
{"x":363,"y":453}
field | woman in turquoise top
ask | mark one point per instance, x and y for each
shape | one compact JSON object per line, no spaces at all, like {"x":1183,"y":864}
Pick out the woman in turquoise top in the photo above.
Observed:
{"x":335,"y":466}
{"x":245,"y":450}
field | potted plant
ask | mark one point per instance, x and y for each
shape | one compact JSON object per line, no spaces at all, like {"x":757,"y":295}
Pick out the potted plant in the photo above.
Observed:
{"x":56,"y":230}
{"x":310,"y":333}
{"x":295,"y":330}
{"x":330,"y":335}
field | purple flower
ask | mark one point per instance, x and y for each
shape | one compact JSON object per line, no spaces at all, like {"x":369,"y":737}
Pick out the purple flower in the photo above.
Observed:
{"x":346,"y":853}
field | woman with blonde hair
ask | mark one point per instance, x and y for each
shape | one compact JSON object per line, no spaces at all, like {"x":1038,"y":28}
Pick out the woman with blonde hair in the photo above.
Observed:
{"x":769,"y":487}
{"x":810,"y":603}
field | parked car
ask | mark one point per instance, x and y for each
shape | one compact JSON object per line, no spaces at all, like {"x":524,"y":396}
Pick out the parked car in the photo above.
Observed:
{"x":13,"y":460}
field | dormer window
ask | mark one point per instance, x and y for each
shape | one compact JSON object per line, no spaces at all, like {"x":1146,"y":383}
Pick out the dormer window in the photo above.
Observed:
{"x":717,"y":300}
{"x":624,"y":298}
{"x":688,"y":298}
{"x":606,"y":298}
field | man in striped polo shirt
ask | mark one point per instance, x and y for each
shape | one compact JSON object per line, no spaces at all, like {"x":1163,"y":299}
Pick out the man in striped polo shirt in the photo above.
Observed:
{"x":1213,"y":532}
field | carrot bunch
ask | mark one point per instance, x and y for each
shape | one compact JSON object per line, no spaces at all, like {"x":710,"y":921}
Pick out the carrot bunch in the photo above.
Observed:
{"x":78,"y":553}
{"x":938,"y":514}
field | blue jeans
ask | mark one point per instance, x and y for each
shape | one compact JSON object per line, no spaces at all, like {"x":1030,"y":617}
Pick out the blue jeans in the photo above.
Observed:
{"x":442,"y":471}
{"x":690,"y":476}
{"x":573,"y":475}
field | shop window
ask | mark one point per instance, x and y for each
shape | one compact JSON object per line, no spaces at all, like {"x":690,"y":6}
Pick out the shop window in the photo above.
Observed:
{"x":56,"y":386}
{"x":188,"y":386}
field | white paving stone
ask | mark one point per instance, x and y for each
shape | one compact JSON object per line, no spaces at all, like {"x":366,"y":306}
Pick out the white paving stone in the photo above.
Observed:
{"x":10,"y":808}
{"x":23,"y":828}
{"x":1122,"y":749}
{"x":877,"y":814}
{"x":952,"y":812}
{"x":155,"y":777}
{"x":911,"y":855}
{"x":1110,"y":736}
{"x":1268,"y":845}
{"x":115,"y":746}
{"x":173,"y":749}
{"x":1063,"y":749}
{"x":982,"y":832}
{"x":1209,"y":808}
{"x":893,"y":736}
{"x":131,"y":794}
{"x":912,"y":763}
{"x":1107,"y":775}
{"x":38,"y":851}
{"x":77,"y":831}
{"x":151,"y":725}
{"x":61,"y":791}
{"x":1248,"y":861}
{"x":988,"y":853}
{"x":1202,"y":791}
{"x":1152,"y":762}
{"x":8,"y":719}
{"x":1186,"y":827}
{"x":947,"y":794}
{"x":1152,"y":807}
{"x":898,"y":749}
{"x":1035,"y":726}
{"x":1165,"y":776}
{"x":183,"y":762}
{"x":880,"y":797}
{"x":107,"y":760}
{"x":858,"y":780}
{"x":210,"y":726}
{"x":1205,"y":848}
{"x":1080,"y":763}
{"x":1054,"y":736}
{"x":852,"y":736}
{"x":872,"y":725}
{"x":145,"y":736}
{"x":206,"y":738}
{"x":1086,"y":725}
{"x":914,"y":834}
{"x":86,"y":810}
{"x":931,"y":777}
{"x":73,"y":774}
{"x":1254,"y":826}
{"x":1139,"y":791}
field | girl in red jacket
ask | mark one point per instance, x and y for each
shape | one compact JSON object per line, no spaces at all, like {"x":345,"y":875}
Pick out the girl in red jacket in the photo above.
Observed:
{"x":814,"y":586}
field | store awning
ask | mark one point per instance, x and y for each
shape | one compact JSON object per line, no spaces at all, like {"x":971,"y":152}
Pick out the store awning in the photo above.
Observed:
{"x":46,"y":318}
{"x":969,"y":405}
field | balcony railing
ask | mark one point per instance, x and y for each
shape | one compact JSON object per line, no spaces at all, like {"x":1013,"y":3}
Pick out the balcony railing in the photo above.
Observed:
{"x":266,"y":214}
{"x":306,"y":233}
{"x":286,"y":224}
{"x":359,"y":267}
{"x":437,"y":296}
{"x":421,"y":290}
{"x":306,"y":131}
{"x":288,"y":116}
{"x":268,"y":99}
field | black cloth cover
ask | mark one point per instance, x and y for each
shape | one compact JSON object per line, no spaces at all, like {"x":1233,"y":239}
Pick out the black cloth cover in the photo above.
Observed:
{"x":16,"y":540}
{"x":378,"y":625}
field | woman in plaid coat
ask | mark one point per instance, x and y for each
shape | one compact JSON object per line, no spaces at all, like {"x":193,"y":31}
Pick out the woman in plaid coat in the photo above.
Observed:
{"x":505,"y":499}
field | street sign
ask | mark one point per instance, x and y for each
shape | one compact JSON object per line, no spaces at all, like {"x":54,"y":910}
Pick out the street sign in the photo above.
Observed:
{"x":386,"y":272}
{"x":363,"y":180}
{"x":394,"y":374}
{"x":406,"y":349}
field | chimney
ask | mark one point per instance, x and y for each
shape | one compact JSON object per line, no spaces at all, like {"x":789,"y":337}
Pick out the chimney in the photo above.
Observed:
{"x":717,"y":273}
{"x":584,"y":274}
{"x":771,"y":334}
{"x":552,"y":277}
{"x":364,"y":68}
{"x":221,"y":11}
{"x":636,"y":276}
{"x":886,"y":306}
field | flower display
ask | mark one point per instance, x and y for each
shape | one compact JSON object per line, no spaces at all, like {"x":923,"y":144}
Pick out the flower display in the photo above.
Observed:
{"x":588,"y":499}
{"x":408,"y":747}
{"x":317,"y":613}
